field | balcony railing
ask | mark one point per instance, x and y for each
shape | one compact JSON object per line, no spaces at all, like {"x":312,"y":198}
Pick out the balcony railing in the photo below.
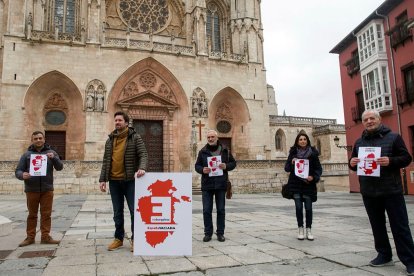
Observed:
{"x":352,"y":65}
{"x":400,"y":33}
{"x":356,"y":113}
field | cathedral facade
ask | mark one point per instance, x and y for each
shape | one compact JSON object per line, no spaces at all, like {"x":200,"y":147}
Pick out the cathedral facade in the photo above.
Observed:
{"x":178,"y":68}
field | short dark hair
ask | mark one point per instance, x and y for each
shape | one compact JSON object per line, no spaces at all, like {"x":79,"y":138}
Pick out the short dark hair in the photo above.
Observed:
{"x":123,"y":114}
{"x":297,"y":139}
{"x":37,"y":132}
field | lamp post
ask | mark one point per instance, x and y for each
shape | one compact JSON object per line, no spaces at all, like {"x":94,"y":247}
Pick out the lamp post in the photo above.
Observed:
{"x":336,"y":141}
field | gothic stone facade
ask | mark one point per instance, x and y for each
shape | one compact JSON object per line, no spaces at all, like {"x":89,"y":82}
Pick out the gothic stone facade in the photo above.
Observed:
{"x":178,"y":68}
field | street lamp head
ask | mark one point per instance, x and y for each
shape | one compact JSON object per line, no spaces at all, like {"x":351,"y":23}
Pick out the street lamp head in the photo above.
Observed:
{"x":336,"y":140}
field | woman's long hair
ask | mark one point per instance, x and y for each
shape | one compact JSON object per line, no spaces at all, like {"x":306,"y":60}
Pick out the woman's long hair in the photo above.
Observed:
{"x":296,"y":145}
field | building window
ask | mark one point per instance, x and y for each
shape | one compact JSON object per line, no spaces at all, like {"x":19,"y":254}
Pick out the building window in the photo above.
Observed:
{"x":377,"y":89}
{"x":213,"y":27}
{"x":360,"y":106}
{"x":63,"y":15}
{"x":412,"y":139}
{"x":371,"y":42}
{"x":279,"y":140}
{"x":409,"y":83}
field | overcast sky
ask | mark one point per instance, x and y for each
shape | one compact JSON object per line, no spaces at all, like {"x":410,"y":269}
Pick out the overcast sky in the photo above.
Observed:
{"x":298,"y":36}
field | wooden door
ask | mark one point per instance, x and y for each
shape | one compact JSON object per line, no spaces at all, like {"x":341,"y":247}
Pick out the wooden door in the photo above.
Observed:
{"x":57,"y":141}
{"x":152,"y":134}
{"x":226,"y":142}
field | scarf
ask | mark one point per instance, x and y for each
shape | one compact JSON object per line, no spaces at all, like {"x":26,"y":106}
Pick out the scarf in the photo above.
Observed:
{"x":303,"y":153}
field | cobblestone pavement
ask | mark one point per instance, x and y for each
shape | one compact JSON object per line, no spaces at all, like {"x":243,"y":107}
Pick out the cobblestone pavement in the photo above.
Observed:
{"x":260,"y":240}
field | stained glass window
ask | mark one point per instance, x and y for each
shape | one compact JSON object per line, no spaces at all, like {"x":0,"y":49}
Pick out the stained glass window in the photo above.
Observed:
{"x":213,"y":27}
{"x":65,"y":15}
{"x":144,"y":15}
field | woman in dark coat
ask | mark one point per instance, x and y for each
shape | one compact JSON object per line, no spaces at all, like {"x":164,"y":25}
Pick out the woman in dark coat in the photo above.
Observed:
{"x":304,"y":189}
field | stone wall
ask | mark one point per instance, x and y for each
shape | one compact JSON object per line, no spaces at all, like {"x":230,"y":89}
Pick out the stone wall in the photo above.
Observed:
{"x":251,"y":176}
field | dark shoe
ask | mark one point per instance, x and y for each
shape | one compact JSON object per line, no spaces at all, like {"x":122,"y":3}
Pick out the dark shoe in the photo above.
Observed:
{"x":221,"y":238}
{"x":207,"y":238}
{"x":132,"y":245}
{"x":410,"y":270}
{"x":49,"y":240}
{"x":26,"y":242}
{"x":381,"y":261}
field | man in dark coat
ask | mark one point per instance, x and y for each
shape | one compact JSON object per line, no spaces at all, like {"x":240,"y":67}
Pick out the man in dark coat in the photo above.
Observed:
{"x":125,"y":156}
{"x":214,"y":185}
{"x":384,"y":193}
{"x":38,"y":189}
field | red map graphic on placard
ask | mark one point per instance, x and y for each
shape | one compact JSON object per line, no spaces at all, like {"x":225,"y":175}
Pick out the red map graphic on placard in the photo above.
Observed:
{"x":146,"y":205}
{"x":37,"y":162}
{"x":213,"y":163}
{"x":300,"y":165}
{"x":369,"y":165}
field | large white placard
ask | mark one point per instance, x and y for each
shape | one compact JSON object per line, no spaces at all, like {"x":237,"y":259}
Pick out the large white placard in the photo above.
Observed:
{"x":163,"y":214}
{"x":368,"y":165}
{"x":38,"y":164}
{"x":302,"y":168}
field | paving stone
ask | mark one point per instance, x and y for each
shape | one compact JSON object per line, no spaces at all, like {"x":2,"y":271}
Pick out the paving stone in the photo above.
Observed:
{"x":170,"y":265}
{"x":204,"y":263}
{"x":122,"y":268}
{"x":81,"y":269}
{"x":23,"y":264}
{"x":73,"y":260}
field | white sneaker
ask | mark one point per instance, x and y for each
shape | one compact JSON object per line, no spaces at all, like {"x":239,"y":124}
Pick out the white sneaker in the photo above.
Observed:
{"x":309,"y":235}
{"x":301,"y":235}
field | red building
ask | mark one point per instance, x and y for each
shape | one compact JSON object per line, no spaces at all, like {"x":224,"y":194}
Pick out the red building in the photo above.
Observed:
{"x":377,"y":72}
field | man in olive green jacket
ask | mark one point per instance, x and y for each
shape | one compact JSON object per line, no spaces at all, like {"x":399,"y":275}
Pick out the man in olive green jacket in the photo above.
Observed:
{"x":125,"y":156}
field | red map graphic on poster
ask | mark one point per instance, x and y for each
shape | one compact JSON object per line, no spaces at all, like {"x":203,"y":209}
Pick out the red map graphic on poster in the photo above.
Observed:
{"x":369,"y":165}
{"x":146,"y":205}
{"x":300,"y":165}
{"x":37,"y":162}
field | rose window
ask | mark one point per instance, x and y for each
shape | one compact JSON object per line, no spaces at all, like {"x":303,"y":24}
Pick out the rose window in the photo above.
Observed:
{"x":144,"y":15}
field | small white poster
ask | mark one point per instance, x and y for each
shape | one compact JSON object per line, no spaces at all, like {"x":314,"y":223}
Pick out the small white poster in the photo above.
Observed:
{"x":38,"y":164}
{"x":302,"y":168}
{"x":213,"y":163}
{"x":368,"y":165}
{"x":163,"y":215}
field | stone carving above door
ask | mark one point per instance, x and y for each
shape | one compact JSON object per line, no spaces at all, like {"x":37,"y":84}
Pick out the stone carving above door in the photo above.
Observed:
{"x":147,"y":81}
{"x":224,"y":112}
{"x":95,"y":96}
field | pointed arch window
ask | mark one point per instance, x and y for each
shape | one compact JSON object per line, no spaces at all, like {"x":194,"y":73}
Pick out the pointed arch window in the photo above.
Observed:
{"x":213,"y":27}
{"x":279,"y":140}
{"x":63,"y":15}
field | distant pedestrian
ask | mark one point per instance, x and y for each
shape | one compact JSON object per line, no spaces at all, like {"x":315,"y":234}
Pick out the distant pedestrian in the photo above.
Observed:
{"x":304,"y":189}
{"x":124,"y":158}
{"x":214,"y":185}
{"x":384,"y":193}
{"x":38,"y":189}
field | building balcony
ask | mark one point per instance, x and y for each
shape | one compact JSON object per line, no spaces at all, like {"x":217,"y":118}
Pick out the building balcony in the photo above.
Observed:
{"x":356,"y":113}
{"x":352,"y":65}
{"x":400,"y":33}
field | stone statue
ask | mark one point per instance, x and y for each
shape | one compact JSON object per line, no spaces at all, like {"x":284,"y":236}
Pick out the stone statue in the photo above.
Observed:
{"x":195,"y":107}
{"x":203,"y":107}
{"x":90,"y":99}
{"x":100,"y":99}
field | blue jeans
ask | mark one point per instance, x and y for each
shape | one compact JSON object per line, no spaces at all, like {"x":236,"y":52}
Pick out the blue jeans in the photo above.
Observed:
{"x":301,"y":200}
{"x":207,"y":197}
{"x":120,"y":189}
{"x":396,"y":210}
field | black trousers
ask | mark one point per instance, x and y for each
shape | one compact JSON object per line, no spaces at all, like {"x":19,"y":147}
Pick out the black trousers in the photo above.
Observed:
{"x":396,"y":210}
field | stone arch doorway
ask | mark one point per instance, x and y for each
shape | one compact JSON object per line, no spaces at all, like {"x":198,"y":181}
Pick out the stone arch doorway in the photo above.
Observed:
{"x":149,"y":92}
{"x":53,"y":104}
{"x":229,"y":115}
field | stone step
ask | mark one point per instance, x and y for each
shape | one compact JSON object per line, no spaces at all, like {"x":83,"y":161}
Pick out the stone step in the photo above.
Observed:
{"x":5,"y":226}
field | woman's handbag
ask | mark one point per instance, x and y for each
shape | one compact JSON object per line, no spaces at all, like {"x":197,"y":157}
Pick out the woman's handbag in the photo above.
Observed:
{"x":229,"y":190}
{"x":286,"y":193}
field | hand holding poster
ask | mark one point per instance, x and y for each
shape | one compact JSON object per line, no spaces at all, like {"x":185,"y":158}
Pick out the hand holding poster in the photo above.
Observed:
{"x":368,"y":165}
{"x":38,"y":164}
{"x":213,"y":163}
{"x":302,"y":168}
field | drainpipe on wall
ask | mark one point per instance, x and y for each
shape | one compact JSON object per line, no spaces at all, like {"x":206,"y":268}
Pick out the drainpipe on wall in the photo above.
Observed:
{"x":404,"y":173}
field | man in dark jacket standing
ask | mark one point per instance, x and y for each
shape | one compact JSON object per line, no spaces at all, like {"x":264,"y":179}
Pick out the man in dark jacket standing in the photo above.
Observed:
{"x":384,"y":193}
{"x":125,"y":156}
{"x":214,"y":185}
{"x":38,"y":189}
